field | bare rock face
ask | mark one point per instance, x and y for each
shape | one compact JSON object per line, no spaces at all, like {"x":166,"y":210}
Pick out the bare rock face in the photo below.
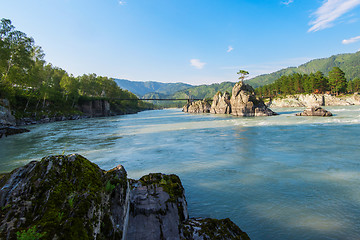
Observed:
{"x":68,"y":197}
{"x":315,"y":111}
{"x":95,"y":108}
{"x":6,"y":118}
{"x":157,"y":207}
{"x":197,"y":107}
{"x":221,"y":104}
{"x":245,"y":103}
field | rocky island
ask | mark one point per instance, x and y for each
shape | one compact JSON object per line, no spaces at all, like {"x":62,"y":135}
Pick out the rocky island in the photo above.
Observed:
{"x":69,"y":197}
{"x":243,"y":102}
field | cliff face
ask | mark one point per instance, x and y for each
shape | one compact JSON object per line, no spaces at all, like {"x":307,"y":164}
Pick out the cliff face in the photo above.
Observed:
{"x":221,"y":104}
{"x":68,"y":197}
{"x":312,"y":100}
{"x":243,"y":102}
{"x":95,"y":108}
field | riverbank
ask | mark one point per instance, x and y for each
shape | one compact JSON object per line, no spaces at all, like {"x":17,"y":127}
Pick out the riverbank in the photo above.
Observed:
{"x":305,"y":100}
{"x":12,"y":121}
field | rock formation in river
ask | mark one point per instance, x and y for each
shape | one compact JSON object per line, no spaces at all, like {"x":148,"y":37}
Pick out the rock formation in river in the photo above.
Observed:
{"x":221,"y":104}
{"x":315,"y":111}
{"x":201,"y":106}
{"x":68,"y":197}
{"x":243,"y":102}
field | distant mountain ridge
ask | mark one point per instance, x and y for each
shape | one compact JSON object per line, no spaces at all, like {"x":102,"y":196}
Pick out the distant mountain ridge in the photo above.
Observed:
{"x":348,"y":62}
{"x":141,"y":88}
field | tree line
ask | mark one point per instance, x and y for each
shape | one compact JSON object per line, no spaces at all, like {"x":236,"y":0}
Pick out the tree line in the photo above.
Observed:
{"x":29,"y":82}
{"x":296,"y":83}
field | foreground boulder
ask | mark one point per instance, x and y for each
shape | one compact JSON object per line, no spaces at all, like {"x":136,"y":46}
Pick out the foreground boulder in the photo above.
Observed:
{"x":315,"y":111}
{"x":68,"y":197}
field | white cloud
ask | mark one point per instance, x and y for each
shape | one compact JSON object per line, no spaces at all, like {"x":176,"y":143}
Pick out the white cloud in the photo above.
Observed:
{"x":230,"y":48}
{"x":122,"y":2}
{"x":330,"y":11}
{"x":287,"y":2}
{"x":196,"y":63}
{"x":351,"y":40}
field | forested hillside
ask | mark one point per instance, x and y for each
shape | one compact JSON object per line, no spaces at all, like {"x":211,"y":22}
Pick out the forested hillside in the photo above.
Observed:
{"x":349,"y":63}
{"x":204,"y":91}
{"x":141,"y":89}
{"x":35,"y":87}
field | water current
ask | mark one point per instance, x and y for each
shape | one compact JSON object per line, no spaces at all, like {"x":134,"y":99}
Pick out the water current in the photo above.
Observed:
{"x":280,"y":177}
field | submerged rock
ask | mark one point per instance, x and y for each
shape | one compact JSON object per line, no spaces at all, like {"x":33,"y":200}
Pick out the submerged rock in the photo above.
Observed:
{"x":68,"y":197}
{"x":315,"y":111}
{"x":201,"y":106}
{"x":245,"y":103}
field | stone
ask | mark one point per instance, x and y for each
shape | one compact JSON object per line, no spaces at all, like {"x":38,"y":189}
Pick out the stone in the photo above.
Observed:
{"x":245,"y":103}
{"x":201,"y":106}
{"x":221,"y":104}
{"x":6,"y":118}
{"x":315,"y":111}
{"x":69,"y":197}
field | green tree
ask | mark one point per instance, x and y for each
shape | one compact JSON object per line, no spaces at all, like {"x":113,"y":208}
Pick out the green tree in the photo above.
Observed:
{"x":243,"y":74}
{"x":337,"y":80}
{"x":16,"y":51}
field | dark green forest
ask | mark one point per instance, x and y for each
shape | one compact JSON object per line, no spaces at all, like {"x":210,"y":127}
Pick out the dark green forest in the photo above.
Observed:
{"x":34,"y":86}
{"x":295,"y":83}
{"x":348,"y":62}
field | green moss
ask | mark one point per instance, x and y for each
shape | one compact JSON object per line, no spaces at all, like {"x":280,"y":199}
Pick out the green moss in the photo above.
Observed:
{"x":171,"y":184}
{"x":29,"y":234}
{"x":72,"y":187}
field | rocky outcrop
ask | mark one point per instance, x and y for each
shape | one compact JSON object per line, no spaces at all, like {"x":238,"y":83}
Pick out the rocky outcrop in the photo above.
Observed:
{"x":201,"y":106}
{"x":315,"y":111}
{"x":208,"y":228}
{"x":245,"y":103}
{"x":7,"y":120}
{"x":68,"y":197}
{"x":221,"y":104}
{"x":95,"y":108}
{"x":307,"y":100}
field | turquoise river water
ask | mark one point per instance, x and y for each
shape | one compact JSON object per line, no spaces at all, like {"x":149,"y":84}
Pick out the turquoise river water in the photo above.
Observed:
{"x":280,"y":177}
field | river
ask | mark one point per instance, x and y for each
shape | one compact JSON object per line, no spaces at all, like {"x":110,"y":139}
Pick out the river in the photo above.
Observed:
{"x":279,"y":177}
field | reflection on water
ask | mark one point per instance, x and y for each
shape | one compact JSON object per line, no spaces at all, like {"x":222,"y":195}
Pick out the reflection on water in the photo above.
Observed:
{"x":280,"y":177}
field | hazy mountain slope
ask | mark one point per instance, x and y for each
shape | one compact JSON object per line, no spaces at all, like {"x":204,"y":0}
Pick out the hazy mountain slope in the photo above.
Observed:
{"x":348,"y":62}
{"x":142,"y":88}
{"x":204,"y":91}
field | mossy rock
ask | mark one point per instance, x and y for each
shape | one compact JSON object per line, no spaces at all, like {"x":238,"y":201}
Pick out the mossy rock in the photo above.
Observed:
{"x":65,"y":197}
{"x":171,"y":184}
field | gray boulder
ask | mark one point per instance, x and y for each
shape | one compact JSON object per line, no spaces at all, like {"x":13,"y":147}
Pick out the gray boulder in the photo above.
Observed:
{"x":315,"y":111}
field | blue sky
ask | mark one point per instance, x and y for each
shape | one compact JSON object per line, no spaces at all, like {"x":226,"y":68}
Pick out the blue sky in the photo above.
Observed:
{"x":192,"y":41}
